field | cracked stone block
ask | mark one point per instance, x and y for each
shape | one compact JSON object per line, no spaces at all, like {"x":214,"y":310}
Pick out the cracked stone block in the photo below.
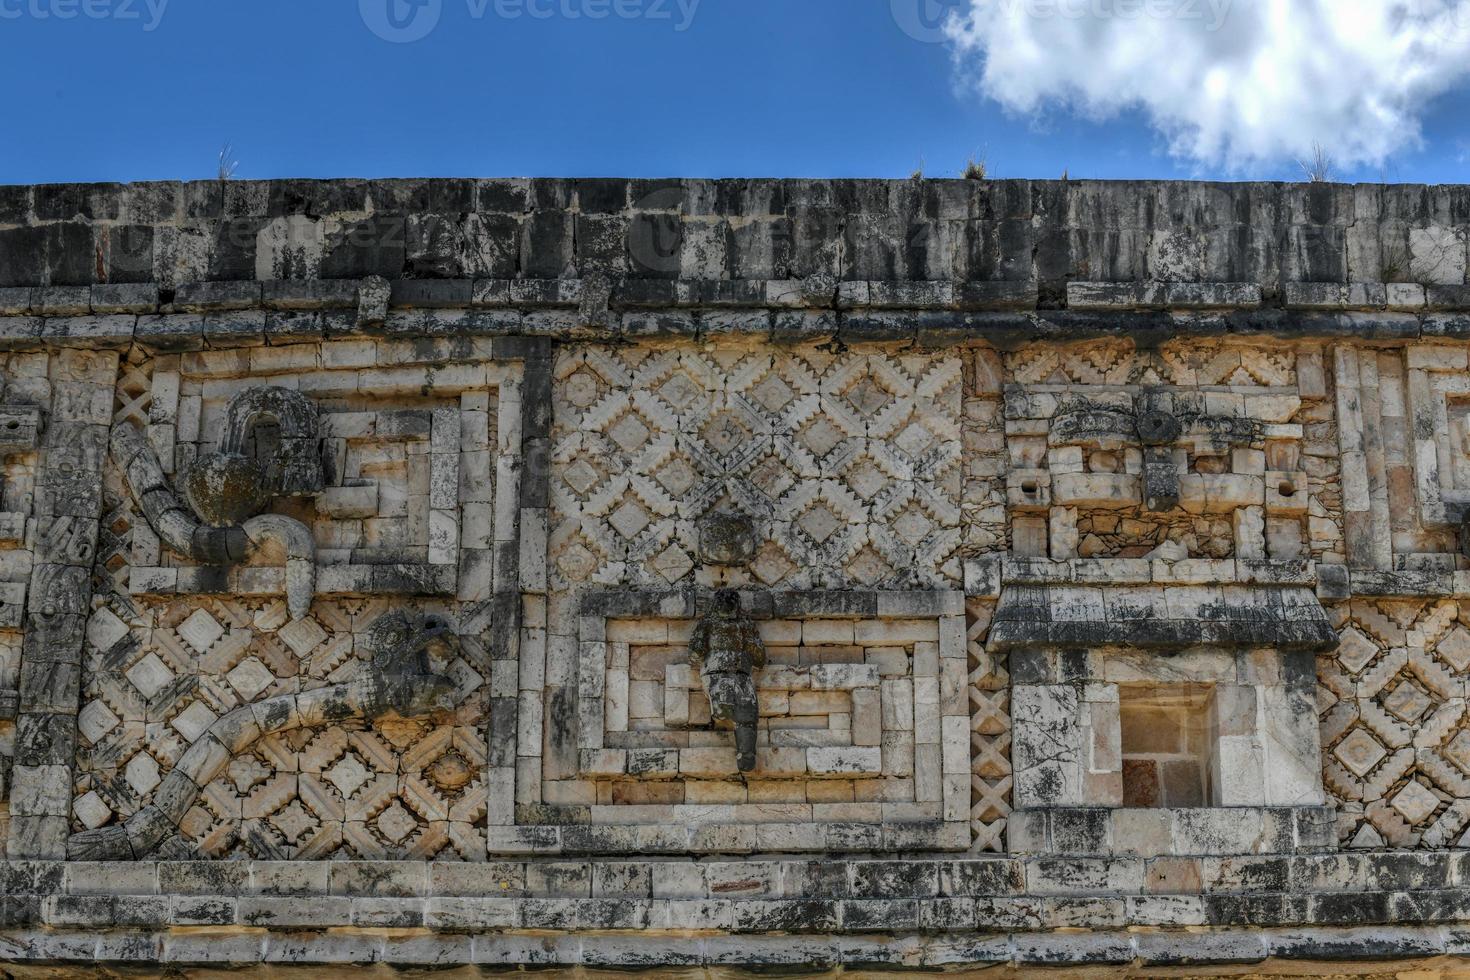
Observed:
{"x":149,"y":675}
{"x":95,"y":721}
{"x":200,"y":631}
{"x":302,"y":636}
{"x":91,"y":811}
{"x":142,"y":773}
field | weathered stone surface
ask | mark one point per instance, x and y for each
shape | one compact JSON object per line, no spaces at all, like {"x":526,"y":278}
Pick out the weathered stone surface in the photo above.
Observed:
{"x":1095,"y":531}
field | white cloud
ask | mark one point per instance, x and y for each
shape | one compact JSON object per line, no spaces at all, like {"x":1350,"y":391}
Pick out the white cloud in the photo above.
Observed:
{"x":1235,"y":82}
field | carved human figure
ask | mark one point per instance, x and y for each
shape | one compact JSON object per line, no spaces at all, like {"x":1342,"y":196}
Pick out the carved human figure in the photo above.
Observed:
{"x":727,"y":650}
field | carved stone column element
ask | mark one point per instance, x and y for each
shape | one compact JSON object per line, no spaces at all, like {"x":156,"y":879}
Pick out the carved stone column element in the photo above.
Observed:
{"x":300,"y":547}
{"x":726,"y":650}
{"x":68,"y":506}
{"x":1158,"y":431}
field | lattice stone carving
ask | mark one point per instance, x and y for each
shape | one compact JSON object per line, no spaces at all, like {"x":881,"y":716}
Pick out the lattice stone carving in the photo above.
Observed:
{"x":990,"y":732}
{"x":1184,"y":365}
{"x":123,"y":528}
{"x":390,"y":790}
{"x":1395,"y":730}
{"x":847,"y":462}
{"x":134,"y":393}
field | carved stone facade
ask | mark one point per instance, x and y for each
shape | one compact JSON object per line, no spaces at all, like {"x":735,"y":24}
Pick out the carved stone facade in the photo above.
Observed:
{"x":503,"y":596}
{"x":849,"y":463}
{"x":1394,"y":725}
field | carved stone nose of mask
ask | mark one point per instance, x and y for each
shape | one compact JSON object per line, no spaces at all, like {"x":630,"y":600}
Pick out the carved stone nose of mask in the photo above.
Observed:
{"x":1158,"y":428}
{"x":726,"y":539}
{"x":226,"y":489}
{"x":1158,"y":431}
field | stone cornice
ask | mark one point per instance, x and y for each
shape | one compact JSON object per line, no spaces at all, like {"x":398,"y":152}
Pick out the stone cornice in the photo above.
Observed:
{"x":914,"y":913}
{"x":217,"y":315}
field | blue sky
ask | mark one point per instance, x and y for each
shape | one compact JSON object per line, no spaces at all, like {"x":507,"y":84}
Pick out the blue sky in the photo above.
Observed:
{"x":741,"y":87}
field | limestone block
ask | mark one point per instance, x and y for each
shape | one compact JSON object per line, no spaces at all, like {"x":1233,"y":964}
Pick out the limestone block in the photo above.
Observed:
{"x":1104,"y":734}
{"x":784,"y":761}
{"x":1047,"y":746}
{"x":1193,"y":571}
{"x":1096,"y":490}
{"x":1284,"y":538}
{"x":989,"y":373}
{"x":833,"y":677}
{"x":1291,"y":744}
{"x":928,"y":773}
{"x":708,"y":762}
{"x":1287,"y":496}
{"x":675,"y":712}
{"x":40,"y":791}
{"x":1142,"y":833}
{"x":1201,"y":493}
{"x":1240,"y":774}
{"x":349,"y":502}
{"x":1271,"y":408}
{"x":867,"y":728}
{"x":1030,"y":537}
{"x":1029,"y":490}
{"x":1250,"y":533}
{"x":832,"y":631}
{"x":1438,"y":253}
{"x":1248,"y":462}
{"x":1063,"y":532}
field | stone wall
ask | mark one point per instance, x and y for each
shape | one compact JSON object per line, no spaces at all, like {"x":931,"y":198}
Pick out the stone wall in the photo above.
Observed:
{"x":733,"y":573}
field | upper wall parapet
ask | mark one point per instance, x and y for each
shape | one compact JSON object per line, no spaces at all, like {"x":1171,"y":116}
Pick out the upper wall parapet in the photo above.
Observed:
{"x":174,"y":265}
{"x":1047,"y":233}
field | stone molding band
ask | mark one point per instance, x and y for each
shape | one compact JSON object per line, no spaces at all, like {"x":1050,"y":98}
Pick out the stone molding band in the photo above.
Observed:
{"x":925,"y":913}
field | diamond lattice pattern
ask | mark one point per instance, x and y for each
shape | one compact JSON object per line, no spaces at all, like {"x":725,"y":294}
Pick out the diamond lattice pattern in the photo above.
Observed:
{"x":848,"y":463}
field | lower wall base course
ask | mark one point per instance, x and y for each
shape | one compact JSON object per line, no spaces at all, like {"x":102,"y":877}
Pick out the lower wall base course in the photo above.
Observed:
{"x":921,"y":913}
{"x":1342,"y":948}
{"x":1190,"y":949}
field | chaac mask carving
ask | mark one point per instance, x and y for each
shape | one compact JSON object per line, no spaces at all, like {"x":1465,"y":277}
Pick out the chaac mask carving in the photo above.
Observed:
{"x":1154,"y":472}
{"x":219,"y":522}
{"x":269,"y":449}
{"x":404,"y":646}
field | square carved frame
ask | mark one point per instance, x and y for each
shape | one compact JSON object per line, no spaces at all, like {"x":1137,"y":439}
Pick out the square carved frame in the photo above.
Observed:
{"x":558,"y":815}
